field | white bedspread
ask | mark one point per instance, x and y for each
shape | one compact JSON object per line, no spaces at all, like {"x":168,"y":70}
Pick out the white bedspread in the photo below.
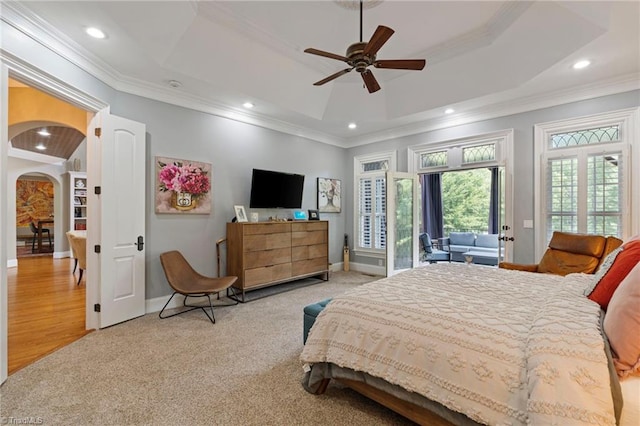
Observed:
{"x":501,"y":346}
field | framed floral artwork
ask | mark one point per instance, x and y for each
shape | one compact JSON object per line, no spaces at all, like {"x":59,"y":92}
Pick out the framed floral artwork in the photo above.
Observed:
{"x":182,"y":186}
{"x":329,"y":195}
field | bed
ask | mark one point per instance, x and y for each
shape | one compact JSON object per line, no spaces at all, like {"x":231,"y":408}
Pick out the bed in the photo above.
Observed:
{"x":475,"y":345}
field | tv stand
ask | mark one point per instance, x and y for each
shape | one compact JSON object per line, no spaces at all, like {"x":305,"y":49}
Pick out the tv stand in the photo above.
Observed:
{"x":269,"y":253}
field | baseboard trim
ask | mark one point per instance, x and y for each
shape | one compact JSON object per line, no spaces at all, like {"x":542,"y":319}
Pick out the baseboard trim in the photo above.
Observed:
{"x":12,"y":263}
{"x":61,"y":254}
{"x":156,"y":304}
{"x":368,"y":269}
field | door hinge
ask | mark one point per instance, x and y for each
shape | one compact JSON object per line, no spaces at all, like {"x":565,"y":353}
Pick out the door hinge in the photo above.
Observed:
{"x":96,"y":307}
{"x":97,"y":190}
{"x":98,"y":131}
{"x":96,"y":248}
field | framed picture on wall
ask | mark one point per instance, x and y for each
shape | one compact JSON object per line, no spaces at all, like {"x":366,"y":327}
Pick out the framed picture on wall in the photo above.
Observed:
{"x":182,"y":186}
{"x":329,"y":195}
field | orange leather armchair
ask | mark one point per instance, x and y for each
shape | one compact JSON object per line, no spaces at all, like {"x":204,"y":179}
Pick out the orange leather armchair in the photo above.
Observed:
{"x":569,"y":253}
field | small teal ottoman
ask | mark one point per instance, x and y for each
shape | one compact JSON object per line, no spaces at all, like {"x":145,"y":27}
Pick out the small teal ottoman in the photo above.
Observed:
{"x":310,"y":314}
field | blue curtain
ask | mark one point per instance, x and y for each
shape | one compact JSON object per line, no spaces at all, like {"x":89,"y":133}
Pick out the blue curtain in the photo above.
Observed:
{"x":432,"y":219}
{"x":494,"y":206}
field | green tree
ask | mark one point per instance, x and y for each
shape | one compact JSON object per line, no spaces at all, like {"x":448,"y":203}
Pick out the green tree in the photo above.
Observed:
{"x":466,"y":199}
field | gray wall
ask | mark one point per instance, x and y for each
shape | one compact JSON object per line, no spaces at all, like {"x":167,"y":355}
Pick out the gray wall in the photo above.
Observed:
{"x":523,"y":126}
{"x":233,"y":149}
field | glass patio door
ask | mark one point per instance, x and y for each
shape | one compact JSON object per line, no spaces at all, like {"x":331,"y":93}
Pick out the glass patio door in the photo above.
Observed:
{"x":402,"y":222}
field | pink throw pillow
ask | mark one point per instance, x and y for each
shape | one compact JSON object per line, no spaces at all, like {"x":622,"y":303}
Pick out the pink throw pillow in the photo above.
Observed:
{"x":622,"y":324}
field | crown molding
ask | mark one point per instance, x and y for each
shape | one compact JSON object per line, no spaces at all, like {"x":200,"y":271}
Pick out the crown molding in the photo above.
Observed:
{"x":498,"y":109}
{"x":43,"y":33}
{"x":167,"y":95}
{"x":48,"y":36}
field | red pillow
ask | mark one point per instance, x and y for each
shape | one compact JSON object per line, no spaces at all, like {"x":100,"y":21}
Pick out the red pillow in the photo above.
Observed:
{"x":625,"y":261}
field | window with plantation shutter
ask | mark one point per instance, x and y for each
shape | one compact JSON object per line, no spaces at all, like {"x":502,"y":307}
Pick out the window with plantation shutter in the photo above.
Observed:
{"x":371,"y":192}
{"x":585,"y":179}
{"x":366,"y":210}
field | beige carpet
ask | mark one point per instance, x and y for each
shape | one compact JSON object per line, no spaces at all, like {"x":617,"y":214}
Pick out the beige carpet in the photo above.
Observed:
{"x":244,"y":370}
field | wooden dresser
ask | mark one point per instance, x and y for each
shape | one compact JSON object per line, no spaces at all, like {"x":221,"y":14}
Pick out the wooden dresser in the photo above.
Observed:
{"x":268,"y":253}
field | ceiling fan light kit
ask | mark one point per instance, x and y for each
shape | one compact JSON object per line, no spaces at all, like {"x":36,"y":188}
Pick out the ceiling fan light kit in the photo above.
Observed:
{"x":360,"y":56}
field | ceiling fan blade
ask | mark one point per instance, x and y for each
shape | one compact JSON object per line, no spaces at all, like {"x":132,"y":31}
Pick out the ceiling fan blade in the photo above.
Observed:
{"x":325,"y":54}
{"x":332,"y":77}
{"x":401,"y":64}
{"x":370,"y":81}
{"x":379,"y":37}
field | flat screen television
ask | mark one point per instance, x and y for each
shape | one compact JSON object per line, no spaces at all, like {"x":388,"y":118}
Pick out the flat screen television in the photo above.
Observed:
{"x":270,"y":190}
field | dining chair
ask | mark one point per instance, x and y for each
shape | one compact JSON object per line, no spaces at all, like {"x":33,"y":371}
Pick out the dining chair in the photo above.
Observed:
{"x":34,"y":229}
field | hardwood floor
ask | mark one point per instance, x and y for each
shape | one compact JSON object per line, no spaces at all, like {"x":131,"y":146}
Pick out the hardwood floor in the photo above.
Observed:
{"x":46,"y":309}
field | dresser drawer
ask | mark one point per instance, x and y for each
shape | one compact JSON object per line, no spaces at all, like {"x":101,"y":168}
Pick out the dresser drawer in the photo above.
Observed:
{"x":265,"y":228}
{"x":308,"y":238}
{"x":259,"y":276}
{"x":309,"y":252}
{"x":261,"y":242}
{"x":309,"y":226}
{"x":309,"y":266}
{"x":255,"y":259}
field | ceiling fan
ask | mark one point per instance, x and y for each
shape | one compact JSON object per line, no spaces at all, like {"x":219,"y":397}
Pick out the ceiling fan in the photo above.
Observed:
{"x":361,"y":55}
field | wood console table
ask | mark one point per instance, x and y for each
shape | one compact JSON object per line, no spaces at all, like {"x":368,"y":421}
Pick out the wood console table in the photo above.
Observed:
{"x":269,"y":253}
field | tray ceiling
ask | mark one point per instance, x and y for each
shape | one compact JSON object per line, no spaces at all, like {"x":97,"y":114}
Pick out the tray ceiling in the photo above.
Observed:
{"x":483,"y":58}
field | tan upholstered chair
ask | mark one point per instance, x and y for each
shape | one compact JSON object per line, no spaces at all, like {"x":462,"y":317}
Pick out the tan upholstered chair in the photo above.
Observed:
{"x":79,"y":251}
{"x":73,"y":255}
{"x":184,"y":280}
{"x":569,"y":253}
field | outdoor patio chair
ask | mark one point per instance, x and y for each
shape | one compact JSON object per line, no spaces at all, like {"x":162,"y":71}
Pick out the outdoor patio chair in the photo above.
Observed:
{"x":432,"y":254}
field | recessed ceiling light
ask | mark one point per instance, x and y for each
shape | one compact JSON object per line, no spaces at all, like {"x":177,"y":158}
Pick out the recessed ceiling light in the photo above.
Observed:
{"x":44,"y":132}
{"x":352,"y":125}
{"x":41,"y":147}
{"x":581,"y":64}
{"x":248,"y":105}
{"x":95,"y":32}
{"x":449,"y":111}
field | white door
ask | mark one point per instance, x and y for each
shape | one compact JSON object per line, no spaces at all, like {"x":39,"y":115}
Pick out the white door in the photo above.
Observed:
{"x":402,"y":222}
{"x":116,"y":229}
